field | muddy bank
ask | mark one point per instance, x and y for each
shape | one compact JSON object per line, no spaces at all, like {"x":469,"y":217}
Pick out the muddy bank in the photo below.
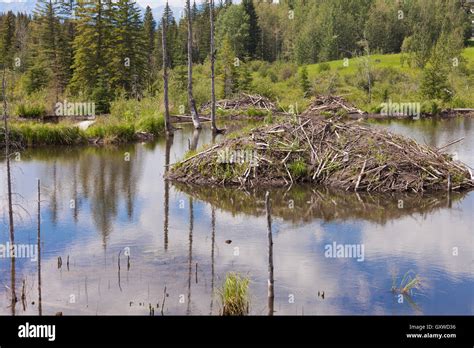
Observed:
{"x":330,"y":152}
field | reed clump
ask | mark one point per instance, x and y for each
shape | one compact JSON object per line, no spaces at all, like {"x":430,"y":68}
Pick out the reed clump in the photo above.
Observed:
{"x":235,"y":295}
{"x":106,"y":130}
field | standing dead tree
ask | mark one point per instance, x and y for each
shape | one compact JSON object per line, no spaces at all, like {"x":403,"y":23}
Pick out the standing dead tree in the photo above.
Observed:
{"x":168,"y":127}
{"x":213,"y":71}
{"x":191,"y":101}
{"x":9,"y":187}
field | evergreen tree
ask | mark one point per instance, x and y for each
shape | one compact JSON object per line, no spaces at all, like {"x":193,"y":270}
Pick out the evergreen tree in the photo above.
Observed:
{"x":149,"y":28}
{"x":304,"y":81}
{"x":92,"y":52}
{"x":22,"y":32}
{"x":51,"y":47}
{"x":174,"y":47}
{"x":245,"y":78}
{"x":203,"y":33}
{"x":233,"y":26}
{"x":227,"y":69}
{"x":253,"y":41}
{"x":128,"y":60}
{"x":7,"y":49}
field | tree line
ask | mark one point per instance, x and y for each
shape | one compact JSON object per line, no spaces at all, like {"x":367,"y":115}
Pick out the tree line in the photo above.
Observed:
{"x":108,"y":49}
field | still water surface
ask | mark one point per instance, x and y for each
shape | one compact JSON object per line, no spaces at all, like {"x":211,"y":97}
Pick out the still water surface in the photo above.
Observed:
{"x":95,"y":204}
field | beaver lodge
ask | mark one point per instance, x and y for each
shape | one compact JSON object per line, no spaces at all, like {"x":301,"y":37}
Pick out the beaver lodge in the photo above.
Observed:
{"x":324,"y":151}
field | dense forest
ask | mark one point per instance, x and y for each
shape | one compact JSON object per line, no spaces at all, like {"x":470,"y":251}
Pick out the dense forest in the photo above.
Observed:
{"x":108,"y":50}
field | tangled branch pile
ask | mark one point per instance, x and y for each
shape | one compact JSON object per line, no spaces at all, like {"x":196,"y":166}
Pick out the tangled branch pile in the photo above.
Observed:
{"x":245,"y":102}
{"x":331,"y":104}
{"x":345,"y":155}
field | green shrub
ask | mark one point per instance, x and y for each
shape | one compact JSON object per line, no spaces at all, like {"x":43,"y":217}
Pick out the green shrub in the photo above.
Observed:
{"x":430,"y":107}
{"x":151,"y":124}
{"x":112,"y":132}
{"x":324,"y":67}
{"x":253,"y":112}
{"x":31,"y":111}
{"x":263,"y":87}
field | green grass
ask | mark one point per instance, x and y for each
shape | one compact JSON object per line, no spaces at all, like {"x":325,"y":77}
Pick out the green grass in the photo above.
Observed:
{"x":107,"y":130}
{"x":235,"y":295}
{"x":38,"y":134}
{"x":112,"y":131}
{"x":298,"y":168}
{"x":30,"y":111}
{"x":376,"y":61}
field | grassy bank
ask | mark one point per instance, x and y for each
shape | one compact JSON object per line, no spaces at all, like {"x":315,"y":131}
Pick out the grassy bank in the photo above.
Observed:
{"x":391,"y":78}
{"x":129,"y":120}
{"x":106,"y":130}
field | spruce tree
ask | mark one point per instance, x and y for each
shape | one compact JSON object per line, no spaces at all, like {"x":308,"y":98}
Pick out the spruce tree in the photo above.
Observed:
{"x":149,"y":28}
{"x":227,"y":68}
{"x":304,"y":81}
{"x":7,"y":32}
{"x":92,"y":52}
{"x":128,"y":60}
{"x":253,"y":41}
{"x":51,"y":45}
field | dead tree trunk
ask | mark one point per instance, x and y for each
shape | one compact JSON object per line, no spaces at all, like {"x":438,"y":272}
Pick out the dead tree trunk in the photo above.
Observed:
{"x":191,"y":101}
{"x":9,"y":187}
{"x":271,"y":294}
{"x":168,"y":127}
{"x":213,"y":74}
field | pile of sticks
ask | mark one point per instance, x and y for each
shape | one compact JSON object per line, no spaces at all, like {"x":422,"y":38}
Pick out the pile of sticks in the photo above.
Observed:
{"x":345,"y":155}
{"x":245,"y":102}
{"x":332,"y":104}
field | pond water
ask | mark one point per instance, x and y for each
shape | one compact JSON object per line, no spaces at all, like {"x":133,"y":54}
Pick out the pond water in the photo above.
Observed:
{"x":97,"y":204}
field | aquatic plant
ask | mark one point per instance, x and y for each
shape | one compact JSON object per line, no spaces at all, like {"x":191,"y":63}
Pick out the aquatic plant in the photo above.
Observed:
{"x":235,"y":295}
{"x":409,"y":282}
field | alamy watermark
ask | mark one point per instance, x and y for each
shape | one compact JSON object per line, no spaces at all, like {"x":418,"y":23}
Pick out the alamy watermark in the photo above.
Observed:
{"x":19,"y":251}
{"x":355,"y":251}
{"x":409,"y":109}
{"x":74,"y":109}
{"x":228,"y":156}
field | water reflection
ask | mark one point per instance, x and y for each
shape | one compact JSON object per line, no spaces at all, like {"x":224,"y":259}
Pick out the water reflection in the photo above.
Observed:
{"x":304,"y":204}
{"x":99,"y":201}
